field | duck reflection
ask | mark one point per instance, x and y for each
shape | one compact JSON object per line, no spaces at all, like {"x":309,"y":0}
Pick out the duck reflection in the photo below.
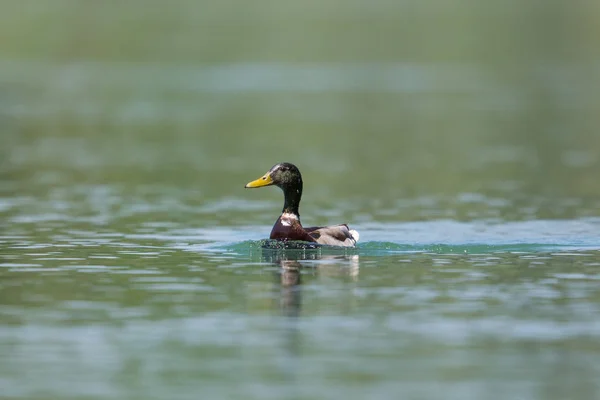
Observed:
{"x":294,"y":265}
{"x":293,"y":269}
{"x":290,"y":279}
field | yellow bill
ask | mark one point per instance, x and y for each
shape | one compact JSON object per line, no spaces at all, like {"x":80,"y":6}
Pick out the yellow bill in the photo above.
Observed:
{"x":265,"y":180}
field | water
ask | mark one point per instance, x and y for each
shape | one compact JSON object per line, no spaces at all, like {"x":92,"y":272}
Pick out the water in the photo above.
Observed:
{"x":159,"y":310}
{"x":461,"y":142}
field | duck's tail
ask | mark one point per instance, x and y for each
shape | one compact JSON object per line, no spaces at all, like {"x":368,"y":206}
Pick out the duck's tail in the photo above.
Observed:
{"x":354,"y":235}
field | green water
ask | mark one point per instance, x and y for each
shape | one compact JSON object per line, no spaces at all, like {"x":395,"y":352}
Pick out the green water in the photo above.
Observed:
{"x":459,"y":138}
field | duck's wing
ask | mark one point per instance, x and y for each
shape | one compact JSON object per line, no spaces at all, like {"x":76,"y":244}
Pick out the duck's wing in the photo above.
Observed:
{"x":336,"y":235}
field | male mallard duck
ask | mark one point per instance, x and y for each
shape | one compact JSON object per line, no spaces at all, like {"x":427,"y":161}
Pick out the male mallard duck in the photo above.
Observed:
{"x":287,"y":177}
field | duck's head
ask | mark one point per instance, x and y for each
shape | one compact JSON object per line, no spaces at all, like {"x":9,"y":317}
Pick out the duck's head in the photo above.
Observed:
{"x":284,"y":175}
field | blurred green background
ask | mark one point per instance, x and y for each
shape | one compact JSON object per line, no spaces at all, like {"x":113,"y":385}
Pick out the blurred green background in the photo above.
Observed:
{"x":375,"y":101}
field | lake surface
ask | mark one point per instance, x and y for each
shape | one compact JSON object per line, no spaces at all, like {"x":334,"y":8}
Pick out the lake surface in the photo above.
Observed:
{"x":461,"y":142}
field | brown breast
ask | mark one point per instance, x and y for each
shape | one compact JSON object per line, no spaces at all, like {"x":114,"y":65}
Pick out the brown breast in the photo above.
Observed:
{"x":288,"y":227}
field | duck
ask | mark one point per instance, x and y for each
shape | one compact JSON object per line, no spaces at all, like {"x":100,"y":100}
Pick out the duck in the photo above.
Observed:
{"x":287,"y":177}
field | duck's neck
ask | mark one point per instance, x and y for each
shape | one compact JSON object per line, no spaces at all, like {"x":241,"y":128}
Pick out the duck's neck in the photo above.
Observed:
{"x":292,"y":197}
